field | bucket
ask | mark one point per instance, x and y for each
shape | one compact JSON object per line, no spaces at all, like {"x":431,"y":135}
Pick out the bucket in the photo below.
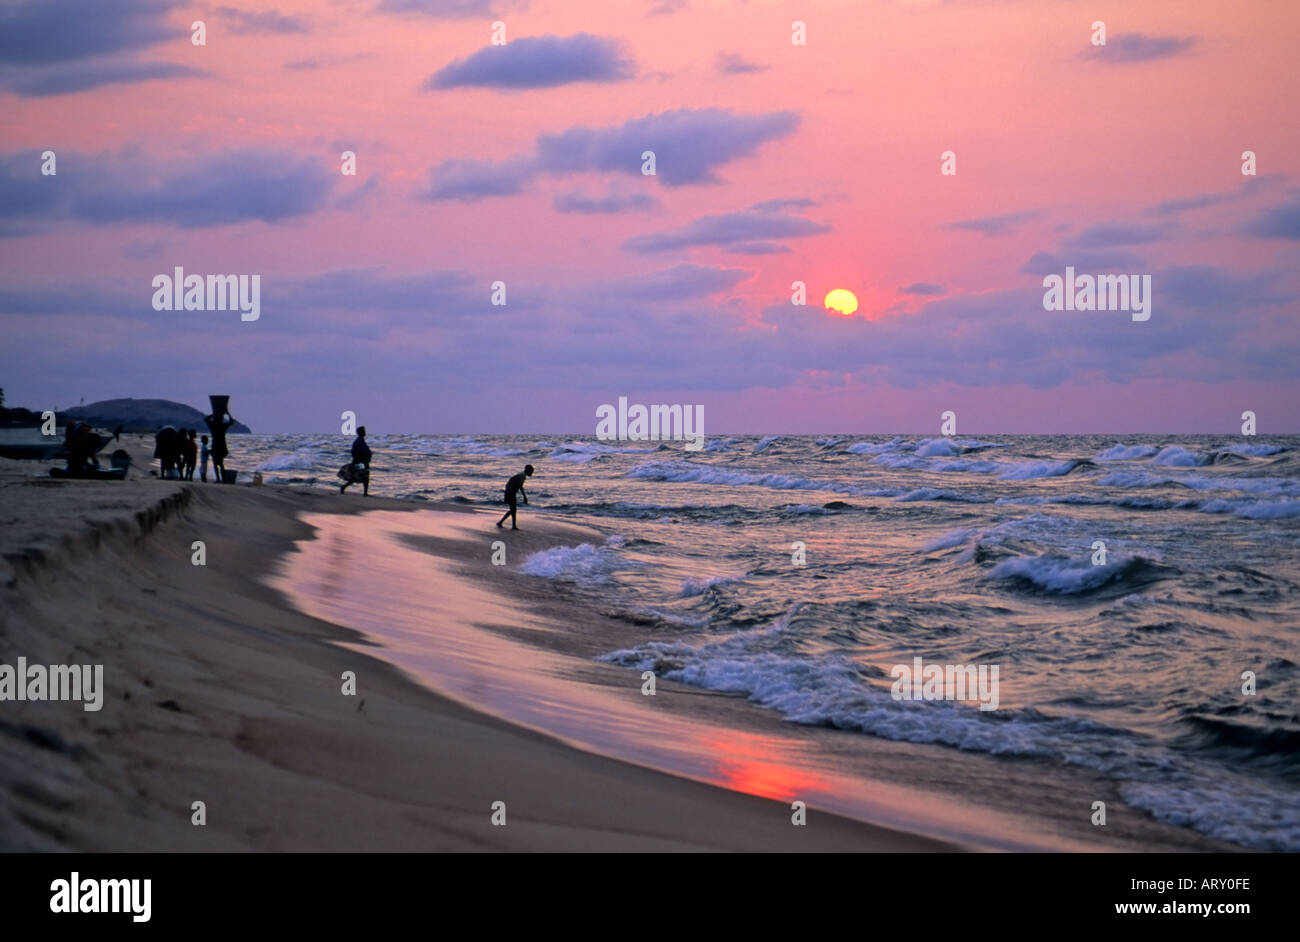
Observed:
{"x":228,"y":475}
{"x":219,"y":405}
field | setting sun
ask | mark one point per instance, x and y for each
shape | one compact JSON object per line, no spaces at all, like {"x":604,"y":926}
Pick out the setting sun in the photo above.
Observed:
{"x":841,"y":301}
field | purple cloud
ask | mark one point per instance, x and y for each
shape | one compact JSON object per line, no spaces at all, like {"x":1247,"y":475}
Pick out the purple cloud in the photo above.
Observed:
{"x":996,"y":225}
{"x":57,"y":47}
{"x":1211,"y":289}
{"x":241,"y":22}
{"x":770,"y":206}
{"x":1106,"y":235}
{"x":1136,"y":47}
{"x":728,"y":229}
{"x":758,"y":248}
{"x":1174,"y":207}
{"x":922,"y":288}
{"x":474,"y":179}
{"x":678,"y":283}
{"x":537,"y":62}
{"x":731,"y":63}
{"x":1280,"y":222}
{"x":320,"y":62}
{"x":441,"y":8}
{"x":1048,"y":263}
{"x":36,"y":32}
{"x":689,"y":144}
{"x":611,"y":203}
{"x":73,"y":77}
{"x":223,"y":189}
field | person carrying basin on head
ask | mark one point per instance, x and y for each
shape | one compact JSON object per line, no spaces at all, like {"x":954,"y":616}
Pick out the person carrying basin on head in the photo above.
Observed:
{"x":219,"y":423}
{"x":515,"y":486}
{"x":359,"y":469}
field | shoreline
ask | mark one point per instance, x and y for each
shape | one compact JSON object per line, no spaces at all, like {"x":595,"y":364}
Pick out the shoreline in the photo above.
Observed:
{"x":218,"y":691}
{"x":700,"y":734}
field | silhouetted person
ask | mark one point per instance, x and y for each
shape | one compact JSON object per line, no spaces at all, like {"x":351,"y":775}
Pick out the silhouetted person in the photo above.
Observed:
{"x":159,"y":451}
{"x":168,"y":448}
{"x":81,"y":443}
{"x":218,"y":428}
{"x":360,"y":468}
{"x":191,"y":454}
{"x":516,"y":486}
{"x":204,"y":451}
{"x":72,"y":447}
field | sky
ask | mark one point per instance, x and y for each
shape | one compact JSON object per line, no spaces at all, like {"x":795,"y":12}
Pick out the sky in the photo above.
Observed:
{"x":775,"y":162}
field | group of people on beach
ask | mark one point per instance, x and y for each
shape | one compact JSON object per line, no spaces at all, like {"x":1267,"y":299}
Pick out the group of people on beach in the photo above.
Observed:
{"x":179,"y":453}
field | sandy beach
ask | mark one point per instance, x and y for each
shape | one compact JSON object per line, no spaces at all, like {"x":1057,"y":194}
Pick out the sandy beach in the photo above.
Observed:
{"x":219,"y":691}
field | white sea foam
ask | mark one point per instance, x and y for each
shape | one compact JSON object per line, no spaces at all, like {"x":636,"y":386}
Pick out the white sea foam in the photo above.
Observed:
{"x":938,"y":493}
{"x":1027,"y":470}
{"x":693,"y":587}
{"x":874,"y":448}
{"x":948,"y":540}
{"x":909,"y":462}
{"x":1263,"y":486}
{"x":805,"y":509}
{"x":1134,"y":479}
{"x":1253,"y":509}
{"x":1127,"y":452}
{"x":672,"y":618}
{"x":584,"y":564}
{"x":288,"y":462}
{"x":933,"y":447}
{"x":686,"y":472}
{"x":595,"y":448}
{"x":969,"y":465}
{"x":1061,"y":575}
{"x":466,"y":445}
{"x":1253,"y":451}
{"x":1178,"y":458}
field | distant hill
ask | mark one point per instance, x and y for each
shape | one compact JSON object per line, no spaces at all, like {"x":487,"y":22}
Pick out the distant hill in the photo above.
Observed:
{"x":26,"y":418}
{"x":145,"y":415}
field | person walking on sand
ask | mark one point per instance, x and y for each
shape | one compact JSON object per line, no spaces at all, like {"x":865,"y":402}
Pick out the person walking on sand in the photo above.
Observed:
{"x":203,"y":457}
{"x":360,"y":468}
{"x":516,"y":486}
